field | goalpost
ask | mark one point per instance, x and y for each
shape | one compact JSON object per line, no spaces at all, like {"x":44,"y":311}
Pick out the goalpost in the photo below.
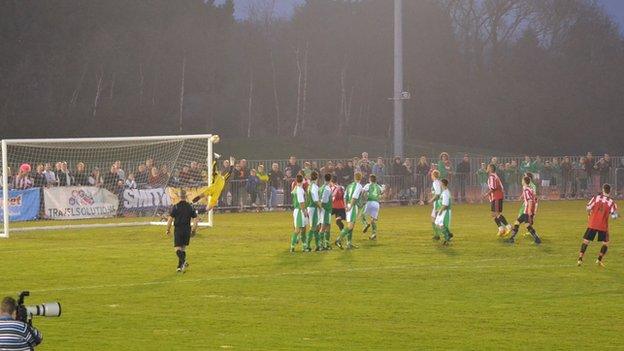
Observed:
{"x":101,"y":182}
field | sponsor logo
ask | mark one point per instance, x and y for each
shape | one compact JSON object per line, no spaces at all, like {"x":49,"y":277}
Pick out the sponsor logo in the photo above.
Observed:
{"x":145,"y":198}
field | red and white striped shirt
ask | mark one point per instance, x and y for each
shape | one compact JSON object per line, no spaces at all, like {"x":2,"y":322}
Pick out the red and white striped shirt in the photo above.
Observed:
{"x":530,"y":201}
{"x":496,"y":186}
{"x":600,"y":207}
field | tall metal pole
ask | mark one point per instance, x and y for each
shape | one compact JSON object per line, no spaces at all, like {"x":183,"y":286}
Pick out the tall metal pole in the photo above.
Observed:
{"x":398,"y":78}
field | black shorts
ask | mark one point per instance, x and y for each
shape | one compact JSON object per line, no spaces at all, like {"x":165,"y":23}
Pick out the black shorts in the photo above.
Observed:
{"x":497,"y":205}
{"x":590,"y":234}
{"x":339,"y":212}
{"x":526,"y":218}
{"x":181,"y":237}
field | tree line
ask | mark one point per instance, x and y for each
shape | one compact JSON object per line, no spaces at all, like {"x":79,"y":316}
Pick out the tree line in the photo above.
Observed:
{"x":535,"y":76}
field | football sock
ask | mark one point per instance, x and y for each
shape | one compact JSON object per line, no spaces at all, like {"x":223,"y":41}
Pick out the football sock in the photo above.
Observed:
{"x":498,"y":222}
{"x":503,"y":220}
{"x":317,"y":237}
{"x":350,"y":235}
{"x":603,"y":252}
{"x":374,"y":225}
{"x":435,"y":229}
{"x":180,"y":261}
{"x":293,"y":240}
{"x":343,"y":233}
{"x":183,"y":256}
{"x":514,"y":231}
{"x":582,"y":252}
{"x":533,"y":233}
{"x":308,"y":238}
{"x":446,"y":232}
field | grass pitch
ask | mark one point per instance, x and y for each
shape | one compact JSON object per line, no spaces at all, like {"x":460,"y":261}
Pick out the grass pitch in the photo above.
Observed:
{"x":245,"y":291}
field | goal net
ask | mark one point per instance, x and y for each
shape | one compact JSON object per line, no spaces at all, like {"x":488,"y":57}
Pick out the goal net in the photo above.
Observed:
{"x":91,"y":182}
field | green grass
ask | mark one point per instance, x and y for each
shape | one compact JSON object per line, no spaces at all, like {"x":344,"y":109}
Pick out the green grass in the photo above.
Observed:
{"x":244,"y":291}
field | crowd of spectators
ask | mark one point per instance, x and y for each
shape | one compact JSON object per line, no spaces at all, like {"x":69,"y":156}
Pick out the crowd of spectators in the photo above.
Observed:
{"x":407,"y":180}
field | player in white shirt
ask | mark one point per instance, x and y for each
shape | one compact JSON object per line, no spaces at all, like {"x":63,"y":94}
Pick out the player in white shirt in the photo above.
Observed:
{"x":325,"y":213}
{"x":436,"y":191}
{"x":300,"y":213}
{"x":352,"y":194}
{"x":313,"y":204}
{"x":443,"y":215}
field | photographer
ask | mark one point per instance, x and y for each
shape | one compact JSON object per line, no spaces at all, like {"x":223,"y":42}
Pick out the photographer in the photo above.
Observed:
{"x":14,"y":334}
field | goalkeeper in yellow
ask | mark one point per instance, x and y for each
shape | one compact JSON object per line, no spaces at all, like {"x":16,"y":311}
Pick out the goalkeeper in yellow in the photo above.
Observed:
{"x":219,"y":181}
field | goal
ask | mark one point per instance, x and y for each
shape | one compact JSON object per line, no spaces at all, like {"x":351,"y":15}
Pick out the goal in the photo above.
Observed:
{"x":98,"y":182}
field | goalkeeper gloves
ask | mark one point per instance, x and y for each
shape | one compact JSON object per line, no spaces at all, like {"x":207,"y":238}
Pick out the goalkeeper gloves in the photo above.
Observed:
{"x":196,"y":198}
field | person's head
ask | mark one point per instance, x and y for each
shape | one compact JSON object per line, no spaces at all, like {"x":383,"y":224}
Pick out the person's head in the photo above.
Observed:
{"x":444,"y":182}
{"x":566,"y":159}
{"x":40,"y":168}
{"x":547,"y":163}
{"x":606,"y":189}
{"x":80,"y":167}
{"x":538,"y":159}
{"x":372,"y":178}
{"x":142,"y":167}
{"x":314,"y":165}
{"x":357,"y":177}
{"x":252,"y":172}
{"x":58,"y":166}
{"x":243,"y":163}
{"x":583,"y":160}
{"x":226,"y":163}
{"x":261,"y":168}
{"x":333,"y":179}
{"x":64,"y":166}
{"x":275,"y":167}
{"x":365,"y":156}
{"x":526,"y":180}
{"x":314,"y":176}
{"x":292,"y":160}
{"x":466,"y":158}
{"x":288,"y":173}
{"x":514,"y":163}
{"x":131,"y":176}
{"x":380,"y":161}
{"x":306,"y":165}
{"x":299,"y":179}
{"x":590,"y":155}
{"x":328,"y":177}
{"x":339,"y":165}
{"x":529,"y":175}
{"x":444,"y":156}
{"x":24,"y":169}
{"x":422,"y":160}
{"x":182,"y":195}
{"x":435,"y":174}
{"x":47,"y":166}
{"x":149,"y":162}
{"x":113,"y":168}
{"x":117,"y":163}
{"x":185,"y":169}
{"x":155,"y":172}
{"x":408,"y":162}
{"x":527,"y":158}
{"x":96,"y":172}
{"x":193,"y":165}
{"x":397,"y":160}
{"x":350,"y":163}
{"x":8,"y":307}
{"x":483,"y":165}
{"x":491,"y":168}
{"x":494,"y":160}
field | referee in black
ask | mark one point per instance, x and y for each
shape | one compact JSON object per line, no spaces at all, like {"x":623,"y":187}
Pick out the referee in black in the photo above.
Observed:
{"x":181,"y":216}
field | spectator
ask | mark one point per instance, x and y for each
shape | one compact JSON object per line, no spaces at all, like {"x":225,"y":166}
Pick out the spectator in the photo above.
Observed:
{"x":120,"y":172}
{"x":566,"y":178}
{"x":275,"y":178}
{"x":379,"y":168}
{"x":341,"y":173}
{"x":252,"y":184}
{"x":23,"y":180}
{"x":307,"y":169}
{"x":365,"y":168}
{"x":130,"y":182}
{"x":237,"y":183}
{"x":539,"y":166}
{"x":81,"y":178}
{"x":63,"y":177}
{"x":315,"y":166}
{"x":194,"y":173}
{"x":287,"y":180}
{"x":165,"y":174}
{"x":49,"y":174}
{"x":513,"y":179}
{"x":149,"y":163}
{"x":263,"y":186}
{"x":397,"y":167}
{"x":141,"y":176}
{"x":422,"y":171}
{"x":546,"y":177}
{"x":604,"y":169}
{"x":119,"y":191}
{"x":619,"y":178}
{"x":244,"y":169}
{"x":482,"y":178}
{"x":583,"y":176}
{"x":462,"y":171}
{"x":39,"y":178}
{"x":96,"y":178}
{"x":556,"y":174}
{"x":444,"y":166}
{"x":528,"y":166}
{"x":156,"y":180}
{"x":111,"y":178}
{"x":293,"y":167}
{"x":349,"y":172}
{"x":328,"y":168}
{"x":57,"y":170}
{"x":185,"y":176}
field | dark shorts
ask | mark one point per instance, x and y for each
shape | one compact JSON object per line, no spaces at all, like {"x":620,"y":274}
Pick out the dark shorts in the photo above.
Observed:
{"x":526,"y":218}
{"x":181,"y":236}
{"x":590,"y":234}
{"x":497,"y":205}
{"x":339,"y":212}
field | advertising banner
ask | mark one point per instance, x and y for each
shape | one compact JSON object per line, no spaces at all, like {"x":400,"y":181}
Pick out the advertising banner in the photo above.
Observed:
{"x":23,"y":204}
{"x":79,"y":202}
{"x":145,"y":199}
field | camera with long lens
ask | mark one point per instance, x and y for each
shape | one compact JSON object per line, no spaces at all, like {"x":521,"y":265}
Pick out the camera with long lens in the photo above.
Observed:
{"x":26,"y":313}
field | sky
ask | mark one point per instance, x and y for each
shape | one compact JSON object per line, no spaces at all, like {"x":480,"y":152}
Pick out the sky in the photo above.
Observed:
{"x":285,"y":7}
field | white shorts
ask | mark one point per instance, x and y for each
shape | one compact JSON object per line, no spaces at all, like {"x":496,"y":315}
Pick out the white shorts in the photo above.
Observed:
{"x":352,"y":214}
{"x":313,"y":216}
{"x":372,"y":209}
{"x":443,"y":219}
{"x":299,"y":219}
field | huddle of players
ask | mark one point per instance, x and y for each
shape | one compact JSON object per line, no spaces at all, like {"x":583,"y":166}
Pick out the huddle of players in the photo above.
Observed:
{"x":314,"y":206}
{"x":600,"y":209}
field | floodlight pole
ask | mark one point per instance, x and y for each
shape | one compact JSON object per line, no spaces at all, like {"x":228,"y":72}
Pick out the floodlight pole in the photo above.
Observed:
{"x":398,"y":78}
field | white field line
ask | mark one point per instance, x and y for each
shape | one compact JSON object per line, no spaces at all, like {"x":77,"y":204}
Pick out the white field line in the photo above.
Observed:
{"x":457,"y":266}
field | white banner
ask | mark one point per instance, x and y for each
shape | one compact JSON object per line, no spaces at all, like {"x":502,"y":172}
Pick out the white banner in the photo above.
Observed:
{"x":134,"y":199}
{"x":78,"y":202}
